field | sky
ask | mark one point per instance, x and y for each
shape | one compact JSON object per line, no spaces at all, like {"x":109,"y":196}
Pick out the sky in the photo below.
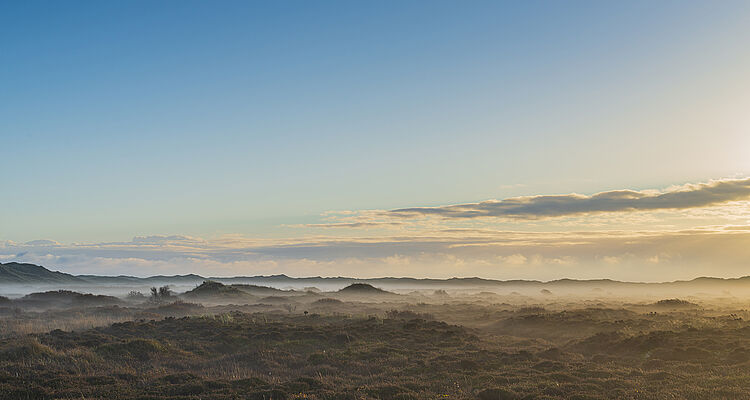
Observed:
{"x":508,"y":140}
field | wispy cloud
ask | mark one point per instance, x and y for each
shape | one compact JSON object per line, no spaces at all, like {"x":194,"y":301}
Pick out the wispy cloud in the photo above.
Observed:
{"x":543,"y":206}
{"x":706,"y":236}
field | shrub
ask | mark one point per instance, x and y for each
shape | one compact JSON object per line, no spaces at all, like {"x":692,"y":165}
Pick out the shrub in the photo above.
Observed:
{"x":135,"y":295}
{"x":161,"y":294}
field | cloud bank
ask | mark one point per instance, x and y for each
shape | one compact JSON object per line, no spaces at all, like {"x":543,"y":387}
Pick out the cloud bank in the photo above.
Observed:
{"x":708,"y":234}
{"x":534,"y":207}
{"x":625,"y":255}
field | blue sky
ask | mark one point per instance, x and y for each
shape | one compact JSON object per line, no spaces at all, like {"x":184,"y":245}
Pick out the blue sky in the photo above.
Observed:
{"x":208,"y":119}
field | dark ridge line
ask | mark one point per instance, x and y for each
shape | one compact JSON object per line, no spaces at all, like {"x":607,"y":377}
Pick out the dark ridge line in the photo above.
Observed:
{"x":49,"y":276}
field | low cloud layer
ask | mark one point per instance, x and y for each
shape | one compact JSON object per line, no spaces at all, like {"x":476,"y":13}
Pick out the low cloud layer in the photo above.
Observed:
{"x":708,"y":236}
{"x":665,"y":255}
{"x":533,"y":207}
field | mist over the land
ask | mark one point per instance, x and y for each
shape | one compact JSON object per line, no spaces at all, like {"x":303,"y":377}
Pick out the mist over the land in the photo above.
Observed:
{"x":18,"y":279}
{"x":282,"y":338}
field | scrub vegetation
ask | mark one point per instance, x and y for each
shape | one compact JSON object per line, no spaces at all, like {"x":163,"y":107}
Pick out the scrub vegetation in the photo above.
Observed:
{"x":251,"y":342}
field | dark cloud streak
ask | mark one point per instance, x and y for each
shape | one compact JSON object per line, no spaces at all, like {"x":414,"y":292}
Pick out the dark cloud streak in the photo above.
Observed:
{"x":531,"y":207}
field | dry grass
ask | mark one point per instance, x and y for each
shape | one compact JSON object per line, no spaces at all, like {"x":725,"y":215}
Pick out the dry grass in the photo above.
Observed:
{"x":458,"y":349}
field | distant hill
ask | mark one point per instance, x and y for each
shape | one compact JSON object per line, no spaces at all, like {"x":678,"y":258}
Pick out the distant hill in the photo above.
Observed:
{"x":216,"y":290}
{"x":266,"y":290}
{"x":30,"y":274}
{"x":66,"y":298}
{"x":152,"y":280}
{"x":19,"y":273}
{"x":674,"y":304}
{"x":363,"y":290}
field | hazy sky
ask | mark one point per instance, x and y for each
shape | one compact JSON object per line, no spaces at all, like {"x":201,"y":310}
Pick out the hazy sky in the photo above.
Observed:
{"x":364,"y":138}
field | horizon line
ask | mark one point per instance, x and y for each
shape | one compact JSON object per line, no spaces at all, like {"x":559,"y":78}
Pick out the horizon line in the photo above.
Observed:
{"x":282,"y":275}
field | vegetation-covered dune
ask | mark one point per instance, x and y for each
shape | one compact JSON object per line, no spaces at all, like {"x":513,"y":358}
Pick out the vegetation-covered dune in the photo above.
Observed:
{"x":363,"y":288}
{"x":65,"y":298}
{"x":246,"y":341}
{"x":365,"y":292}
{"x":272,"y":356}
{"x":210,"y":290}
{"x":675,"y":304}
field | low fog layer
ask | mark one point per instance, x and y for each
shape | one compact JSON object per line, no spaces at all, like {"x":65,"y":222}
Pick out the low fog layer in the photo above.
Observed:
{"x":282,"y":338}
{"x":18,"y":279}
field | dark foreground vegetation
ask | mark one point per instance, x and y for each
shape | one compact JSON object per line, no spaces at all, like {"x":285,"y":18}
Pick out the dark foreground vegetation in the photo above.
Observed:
{"x":252,"y":342}
{"x":272,"y":356}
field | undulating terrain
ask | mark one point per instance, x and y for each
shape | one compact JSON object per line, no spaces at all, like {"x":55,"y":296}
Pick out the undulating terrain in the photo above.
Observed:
{"x":369,"y":340}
